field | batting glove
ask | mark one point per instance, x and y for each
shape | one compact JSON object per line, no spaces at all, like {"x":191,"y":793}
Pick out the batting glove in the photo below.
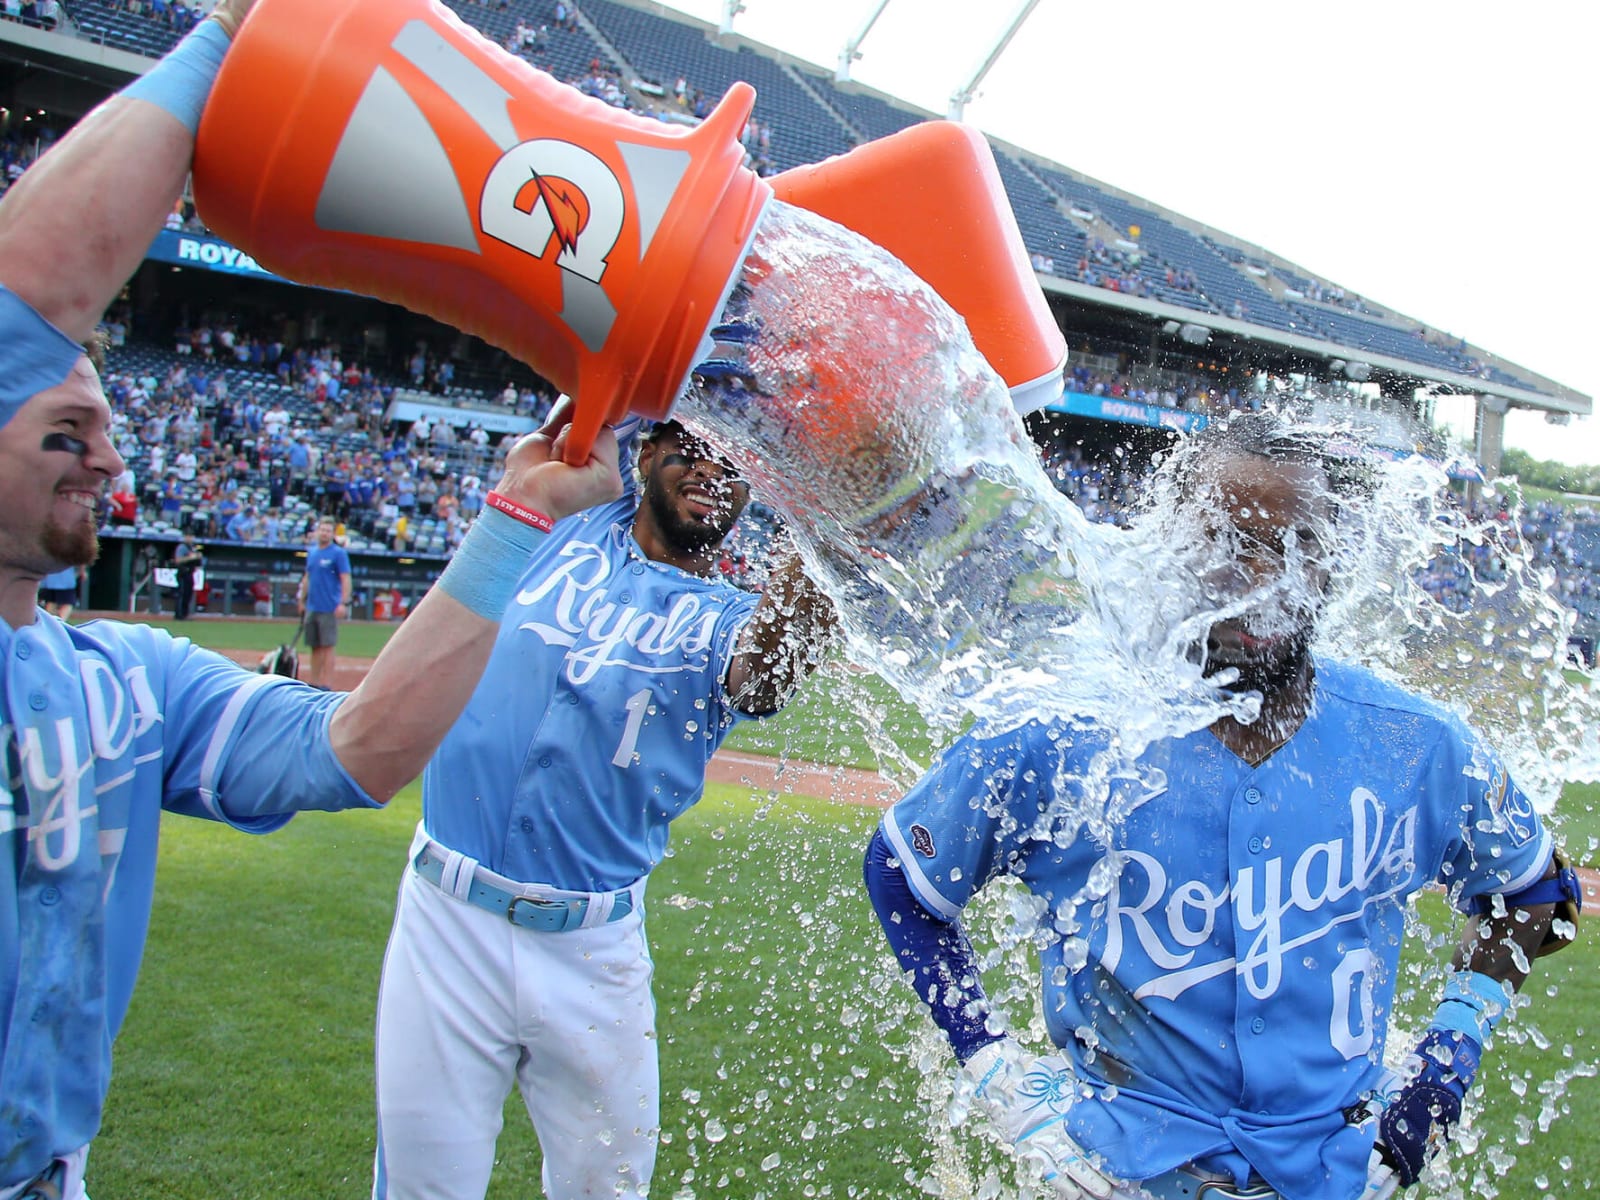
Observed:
{"x":1421,"y":1107}
{"x":1025,"y":1098}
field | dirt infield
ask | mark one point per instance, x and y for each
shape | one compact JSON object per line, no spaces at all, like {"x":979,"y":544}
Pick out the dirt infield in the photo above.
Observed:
{"x":763,"y":774}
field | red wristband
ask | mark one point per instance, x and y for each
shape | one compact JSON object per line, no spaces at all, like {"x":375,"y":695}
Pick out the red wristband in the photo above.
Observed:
{"x":512,"y":509}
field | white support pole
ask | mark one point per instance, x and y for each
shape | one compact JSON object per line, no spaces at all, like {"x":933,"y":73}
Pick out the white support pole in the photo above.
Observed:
{"x":962,"y":96}
{"x":852,"y":48}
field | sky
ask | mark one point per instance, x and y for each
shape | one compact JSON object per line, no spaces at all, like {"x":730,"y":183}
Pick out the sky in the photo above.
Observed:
{"x":1430,"y":156}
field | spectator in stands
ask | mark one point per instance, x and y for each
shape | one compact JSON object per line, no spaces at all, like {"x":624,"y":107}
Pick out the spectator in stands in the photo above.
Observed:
{"x":171,"y":498}
{"x":124,"y":508}
{"x":244,"y":526}
{"x":275,"y":421}
{"x":226,"y":509}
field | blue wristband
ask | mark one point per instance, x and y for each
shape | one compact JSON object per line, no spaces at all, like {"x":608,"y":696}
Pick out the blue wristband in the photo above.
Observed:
{"x":486,"y":568}
{"x":1473,"y":1004}
{"x":181,"y":82}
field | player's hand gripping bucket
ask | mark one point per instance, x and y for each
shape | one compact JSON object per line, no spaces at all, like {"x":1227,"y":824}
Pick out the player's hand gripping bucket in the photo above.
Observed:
{"x":931,"y":195}
{"x":382,"y":147}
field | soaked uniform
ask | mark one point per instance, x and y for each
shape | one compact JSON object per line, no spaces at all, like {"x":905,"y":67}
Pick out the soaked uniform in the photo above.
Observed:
{"x":518,"y":953}
{"x":1240,"y":958}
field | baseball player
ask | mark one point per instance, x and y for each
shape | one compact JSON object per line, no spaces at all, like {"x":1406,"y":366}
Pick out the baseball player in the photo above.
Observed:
{"x":518,"y":953}
{"x":1219,"y":955}
{"x":105,"y":726}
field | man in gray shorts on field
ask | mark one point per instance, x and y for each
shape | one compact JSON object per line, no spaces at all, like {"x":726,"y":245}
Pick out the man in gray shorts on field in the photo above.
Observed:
{"x":324,"y":598}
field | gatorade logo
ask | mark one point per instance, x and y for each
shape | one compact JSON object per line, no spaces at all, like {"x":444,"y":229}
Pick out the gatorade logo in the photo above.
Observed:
{"x":549,"y":197}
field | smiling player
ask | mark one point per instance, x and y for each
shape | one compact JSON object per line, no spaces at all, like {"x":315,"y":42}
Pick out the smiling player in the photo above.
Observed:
{"x":518,"y":953}
{"x":1220,"y":1026}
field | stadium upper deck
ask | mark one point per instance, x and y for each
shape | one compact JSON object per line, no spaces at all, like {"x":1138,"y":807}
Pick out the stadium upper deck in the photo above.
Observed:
{"x":1105,"y":258}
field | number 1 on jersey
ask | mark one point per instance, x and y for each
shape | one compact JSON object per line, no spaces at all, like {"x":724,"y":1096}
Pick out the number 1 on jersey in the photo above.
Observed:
{"x":638,"y":704}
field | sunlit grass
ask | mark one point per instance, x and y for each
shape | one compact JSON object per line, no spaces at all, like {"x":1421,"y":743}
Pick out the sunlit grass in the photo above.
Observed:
{"x":245,"y":1069}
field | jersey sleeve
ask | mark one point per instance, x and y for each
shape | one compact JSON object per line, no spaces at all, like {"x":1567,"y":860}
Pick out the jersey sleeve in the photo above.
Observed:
{"x":628,"y":434}
{"x":1501,"y":844}
{"x":246,"y":749}
{"x":34,"y":354}
{"x":726,"y":636}
{"x":958,"y":827}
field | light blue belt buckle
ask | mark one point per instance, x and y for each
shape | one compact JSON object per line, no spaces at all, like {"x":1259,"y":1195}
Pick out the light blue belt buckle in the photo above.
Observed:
{"x":556,"y":916}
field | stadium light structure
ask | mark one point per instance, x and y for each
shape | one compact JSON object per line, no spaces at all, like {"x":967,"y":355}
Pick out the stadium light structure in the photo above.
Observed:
{"x":730,"y":10}
{"x":962,"y":96}
{"x":852,"y":49}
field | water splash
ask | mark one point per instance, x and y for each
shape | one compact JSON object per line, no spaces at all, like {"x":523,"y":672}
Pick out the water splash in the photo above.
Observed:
{"x":864,"y":415}
{"x":862,"y":412}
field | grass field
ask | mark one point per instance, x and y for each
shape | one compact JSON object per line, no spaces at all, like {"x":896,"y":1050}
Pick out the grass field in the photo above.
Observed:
{"x":789,"y":1049}
{"x":794,"y":1063}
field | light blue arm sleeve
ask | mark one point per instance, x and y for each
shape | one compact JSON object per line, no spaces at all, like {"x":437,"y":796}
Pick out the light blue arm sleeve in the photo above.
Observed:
{"x":1503,"y":845}
{"x":953,"y":831}
{"x":628,"y":434}
{"x":250,"y":750}
{"x":34,"y":355}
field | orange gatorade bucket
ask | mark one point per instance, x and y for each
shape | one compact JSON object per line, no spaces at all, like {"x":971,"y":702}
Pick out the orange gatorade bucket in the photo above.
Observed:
{"x":383,"y":147}
{"x":931,"y":195}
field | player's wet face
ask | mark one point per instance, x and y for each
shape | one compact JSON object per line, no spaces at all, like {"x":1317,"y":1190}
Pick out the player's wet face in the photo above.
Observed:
{"x":694,"y":495}
{"x":56,"y":460}
{"x":1264,"y":559}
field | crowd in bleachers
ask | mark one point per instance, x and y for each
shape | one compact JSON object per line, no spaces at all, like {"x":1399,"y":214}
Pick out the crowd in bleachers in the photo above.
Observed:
{"x":235,"y":436}
{"x":21,"y":147}
{"x":1170,"y":389}
{"x":41,"y":14}
{"x":1120,"y":270}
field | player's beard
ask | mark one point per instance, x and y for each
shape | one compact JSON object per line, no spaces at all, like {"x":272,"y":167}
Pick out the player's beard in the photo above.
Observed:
{"x":686,"y":535}
{"x":1266,"y":673}
{"x":74,"y":545}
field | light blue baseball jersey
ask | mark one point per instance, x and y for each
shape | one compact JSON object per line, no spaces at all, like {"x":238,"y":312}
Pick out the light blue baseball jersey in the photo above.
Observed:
{"x":602,"y":704}
{"x":106,"y":725}
{"x":1240,"y":968}
{"x":102,"y":727}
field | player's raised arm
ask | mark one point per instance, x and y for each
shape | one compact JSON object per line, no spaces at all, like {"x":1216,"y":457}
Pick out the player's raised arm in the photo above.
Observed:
{"x":78,"y":223}
{"x":390,"y":726}
{"x":786,"y":639}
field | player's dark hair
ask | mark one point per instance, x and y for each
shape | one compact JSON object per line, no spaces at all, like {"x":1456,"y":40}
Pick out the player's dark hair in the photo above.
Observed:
{"x":1340,"y":457}
{"x":665,"y":428}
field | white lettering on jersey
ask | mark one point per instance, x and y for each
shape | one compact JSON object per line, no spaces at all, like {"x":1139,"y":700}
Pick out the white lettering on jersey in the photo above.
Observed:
{"x":118,"y":710}
{"x":581,"y":611}
{"x":62,"y":813}
{"x":1376,"y":864}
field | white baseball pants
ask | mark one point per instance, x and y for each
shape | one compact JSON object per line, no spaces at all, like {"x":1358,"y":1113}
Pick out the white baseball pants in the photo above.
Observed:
{"x":470,"y":1004}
